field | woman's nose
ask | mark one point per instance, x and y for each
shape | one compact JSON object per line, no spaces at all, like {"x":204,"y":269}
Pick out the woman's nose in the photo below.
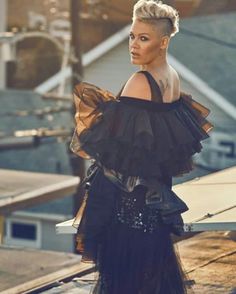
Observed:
{"x":134,"y":44}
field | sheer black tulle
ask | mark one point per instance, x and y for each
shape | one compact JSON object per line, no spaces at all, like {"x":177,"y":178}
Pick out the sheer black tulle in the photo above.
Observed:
{"x":128,"y":242}
{"x":154,"y":137}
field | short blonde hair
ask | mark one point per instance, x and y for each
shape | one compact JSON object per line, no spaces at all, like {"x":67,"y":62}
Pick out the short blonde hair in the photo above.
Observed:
{"x":151,"y":11}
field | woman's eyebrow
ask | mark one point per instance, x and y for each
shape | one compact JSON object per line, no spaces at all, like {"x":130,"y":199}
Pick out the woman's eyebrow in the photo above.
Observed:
{"x":140,"y":33}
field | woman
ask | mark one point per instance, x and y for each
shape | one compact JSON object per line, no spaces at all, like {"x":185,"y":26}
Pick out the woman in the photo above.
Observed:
{"x":138,"y":141}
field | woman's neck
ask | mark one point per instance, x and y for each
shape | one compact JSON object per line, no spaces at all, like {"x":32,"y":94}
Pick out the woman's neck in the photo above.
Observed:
{"x":159,"y":63}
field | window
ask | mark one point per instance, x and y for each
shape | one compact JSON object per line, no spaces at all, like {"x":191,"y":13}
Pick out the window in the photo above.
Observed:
{"x":23,"y":232}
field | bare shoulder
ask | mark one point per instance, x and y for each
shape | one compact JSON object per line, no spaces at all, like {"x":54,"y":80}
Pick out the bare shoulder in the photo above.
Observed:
{"x":176,"y":81}
{"x":175,"y":75}
{"x":137,"y":87}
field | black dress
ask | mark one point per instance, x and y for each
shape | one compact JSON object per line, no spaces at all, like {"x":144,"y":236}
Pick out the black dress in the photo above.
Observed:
{"x":131,"y":211}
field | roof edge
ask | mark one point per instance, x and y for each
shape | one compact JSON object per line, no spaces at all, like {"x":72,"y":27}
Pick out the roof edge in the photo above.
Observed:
{"x":87,"y":59}
{"x":105,"y":46}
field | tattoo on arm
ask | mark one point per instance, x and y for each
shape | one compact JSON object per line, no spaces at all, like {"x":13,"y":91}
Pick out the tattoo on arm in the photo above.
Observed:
{"x":163,"y":86}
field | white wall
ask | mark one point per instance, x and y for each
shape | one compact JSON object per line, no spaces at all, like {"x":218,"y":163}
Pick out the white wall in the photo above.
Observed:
{"x":53,"y":241}
{"x":111,"y":70}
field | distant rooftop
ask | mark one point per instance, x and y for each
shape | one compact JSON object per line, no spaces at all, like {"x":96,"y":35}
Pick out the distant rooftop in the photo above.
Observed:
{"x":207,"y":46}
{"x":49,"y":156}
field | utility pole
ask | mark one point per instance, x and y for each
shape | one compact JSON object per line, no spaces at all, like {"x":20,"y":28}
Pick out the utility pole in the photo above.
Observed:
{"x":3,"y":25}
{"x":77,"y":163}
{"x":77,"y":68}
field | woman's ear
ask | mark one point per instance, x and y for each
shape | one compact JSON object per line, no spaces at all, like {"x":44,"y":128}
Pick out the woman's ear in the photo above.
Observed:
{"x":164,"y":42}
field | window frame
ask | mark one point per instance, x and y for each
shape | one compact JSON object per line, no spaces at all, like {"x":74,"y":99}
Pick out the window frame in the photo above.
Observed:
{"x":10,"y":240}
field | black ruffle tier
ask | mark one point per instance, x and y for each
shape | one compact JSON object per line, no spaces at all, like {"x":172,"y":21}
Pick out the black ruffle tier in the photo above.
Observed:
{"x":137,"y":137}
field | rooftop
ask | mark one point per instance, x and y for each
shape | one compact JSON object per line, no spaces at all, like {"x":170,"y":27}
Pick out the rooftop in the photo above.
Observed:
{"x":209,"y":258}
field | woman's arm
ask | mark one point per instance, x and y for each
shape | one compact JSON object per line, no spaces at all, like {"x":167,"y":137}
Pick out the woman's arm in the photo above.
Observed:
{"x":137,"y":87}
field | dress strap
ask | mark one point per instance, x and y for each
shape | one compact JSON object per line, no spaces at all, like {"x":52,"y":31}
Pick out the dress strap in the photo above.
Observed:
{"x":156,"y":92}
{"x":119,"y":93}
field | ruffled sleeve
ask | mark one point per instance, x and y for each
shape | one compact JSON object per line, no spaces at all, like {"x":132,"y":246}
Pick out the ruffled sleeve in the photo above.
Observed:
{"x":88,"y":101}
{"x":198,"y":111}
{"x":137,"y":137}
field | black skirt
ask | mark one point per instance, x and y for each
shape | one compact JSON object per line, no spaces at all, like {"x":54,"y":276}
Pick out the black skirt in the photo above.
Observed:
{"x":128,"y":241}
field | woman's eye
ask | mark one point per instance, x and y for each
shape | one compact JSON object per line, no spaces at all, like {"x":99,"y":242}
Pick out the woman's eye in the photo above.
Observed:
{"x":143,"y":38}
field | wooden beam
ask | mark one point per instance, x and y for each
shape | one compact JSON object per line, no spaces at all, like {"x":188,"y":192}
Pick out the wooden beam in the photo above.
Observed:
{"x":67,"y":272}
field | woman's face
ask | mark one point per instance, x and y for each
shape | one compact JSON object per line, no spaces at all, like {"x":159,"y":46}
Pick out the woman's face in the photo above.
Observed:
{"x":145,"y":42}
